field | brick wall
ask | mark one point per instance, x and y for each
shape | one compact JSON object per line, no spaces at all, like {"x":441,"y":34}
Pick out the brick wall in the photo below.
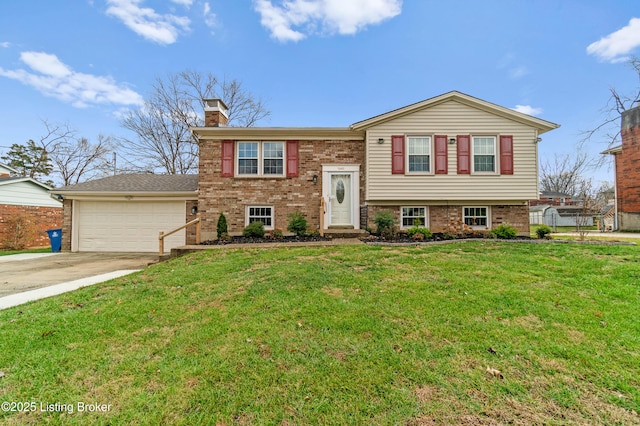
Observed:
{"x":191,"y":230}
{"x":231,"y":196}
{"x":66,"y":224}
{"x":628,"y":163}
{"x":441,"y":217}
{"x":37,"y":219}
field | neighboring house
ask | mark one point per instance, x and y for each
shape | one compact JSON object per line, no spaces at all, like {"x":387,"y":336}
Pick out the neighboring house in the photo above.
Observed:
{"x":125,"y":213}
{"x":550,"y":198}
{"x":446,"y":161}
{"x":26,"y":210}
{"x":608,"y":218}
{"x":627,"y":172}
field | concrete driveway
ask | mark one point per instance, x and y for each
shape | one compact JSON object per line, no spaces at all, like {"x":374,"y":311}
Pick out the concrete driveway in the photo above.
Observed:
{"x":22,"y":273}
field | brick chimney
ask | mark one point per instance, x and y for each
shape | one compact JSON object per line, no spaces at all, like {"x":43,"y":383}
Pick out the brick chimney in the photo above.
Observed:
{"x":215,"y":113}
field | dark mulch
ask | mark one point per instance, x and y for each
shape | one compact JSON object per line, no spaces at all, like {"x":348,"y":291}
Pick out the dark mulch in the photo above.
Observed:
{"x":401,"y":238}
{"x":404,"y":238}
{"x":250,"y":240}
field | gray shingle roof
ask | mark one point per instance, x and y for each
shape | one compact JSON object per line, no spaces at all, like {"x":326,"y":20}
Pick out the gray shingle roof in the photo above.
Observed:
{"x":136,"y":183}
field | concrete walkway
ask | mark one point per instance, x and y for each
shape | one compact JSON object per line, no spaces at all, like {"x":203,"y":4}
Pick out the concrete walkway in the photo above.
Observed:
{"x":607,"y":235}
{"x":53,"y":290}
{"x":31,"y":276}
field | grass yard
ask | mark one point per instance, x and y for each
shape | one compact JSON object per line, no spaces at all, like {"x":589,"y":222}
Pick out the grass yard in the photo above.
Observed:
{"x":33,"y":250}
{"x":338,"y":335}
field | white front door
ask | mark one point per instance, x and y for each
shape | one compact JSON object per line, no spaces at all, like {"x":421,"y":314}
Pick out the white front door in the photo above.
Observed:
{"x":340,"y":202}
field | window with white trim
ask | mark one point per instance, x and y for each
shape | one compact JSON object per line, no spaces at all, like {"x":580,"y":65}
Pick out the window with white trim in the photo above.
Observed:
{"x":260,"y":159}
{"x":419,"y":154}
{"x":262,"y":214}
{"x":476,"y":217}
{"x":409,"y":216}
{"x":484,"y":153}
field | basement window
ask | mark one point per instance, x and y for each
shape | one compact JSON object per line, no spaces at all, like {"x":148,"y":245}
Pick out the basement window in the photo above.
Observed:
{"x":262,"y":214}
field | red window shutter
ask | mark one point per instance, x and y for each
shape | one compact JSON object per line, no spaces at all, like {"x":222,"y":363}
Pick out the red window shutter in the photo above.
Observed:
{"x":464,"y":154}
{"x":441,"y":154}
{"x":397,"y":155}
{"x":506,"y":154}
{"x":292,"y":158}
{"x":227,"y":158}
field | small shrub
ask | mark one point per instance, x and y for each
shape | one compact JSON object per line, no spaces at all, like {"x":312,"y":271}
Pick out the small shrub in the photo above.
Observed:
{"x":419,"y":232}
{"x":543,"y":231}
{"x":385,"y":222}
{"x":297,"y":224}
{"x":389,"y":233}
{"x":20,"y":232}
{"x":224,"y":237}
{"x":277,"y":234}
{"x":505,"y":231}
{"x":221,"y":227}
{"x":254,"y":230}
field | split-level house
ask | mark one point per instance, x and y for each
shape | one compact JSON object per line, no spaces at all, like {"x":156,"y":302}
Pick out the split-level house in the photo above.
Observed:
{"x":449,"y":161}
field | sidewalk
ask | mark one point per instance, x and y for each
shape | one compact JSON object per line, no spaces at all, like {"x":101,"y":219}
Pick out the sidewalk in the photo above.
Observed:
{"x":607,"y":235}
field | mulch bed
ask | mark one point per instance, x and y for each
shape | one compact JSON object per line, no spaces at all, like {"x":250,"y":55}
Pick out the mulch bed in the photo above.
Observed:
{"x":248,"y":240}
{"x":401,"y":238}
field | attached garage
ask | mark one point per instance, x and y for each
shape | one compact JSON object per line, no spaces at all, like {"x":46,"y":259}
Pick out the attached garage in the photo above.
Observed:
{"x":126,"y":226}
{"x":125,"y":213}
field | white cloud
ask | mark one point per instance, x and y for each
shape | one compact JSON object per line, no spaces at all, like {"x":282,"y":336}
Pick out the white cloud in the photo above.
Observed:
{"x":5,"y":44}
{"x":615,"y":46}
{"x":185,"y":3}
{"x":294,"y":19}
{"x":528,"y":109}
{"x":518,"y":72}
{"x":163,"y":29}
{"x":52,"y":77}
{"x":209,"y":17}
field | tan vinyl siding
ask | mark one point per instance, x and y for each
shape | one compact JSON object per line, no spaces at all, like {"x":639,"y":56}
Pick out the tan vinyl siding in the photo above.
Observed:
{"x":452,"y":118}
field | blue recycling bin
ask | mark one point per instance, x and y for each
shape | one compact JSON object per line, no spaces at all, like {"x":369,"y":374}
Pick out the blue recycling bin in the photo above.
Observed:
{"x":55,"y":237}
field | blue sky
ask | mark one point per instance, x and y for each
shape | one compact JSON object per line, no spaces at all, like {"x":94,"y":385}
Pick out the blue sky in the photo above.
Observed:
{"x":317,"y":62}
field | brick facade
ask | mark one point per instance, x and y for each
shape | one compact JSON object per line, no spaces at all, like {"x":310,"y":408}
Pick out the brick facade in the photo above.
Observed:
{"x":443,"y":217}
{"x":232,"y":196}
{"x":67,"y":221}
{"x":628,"y":163}
{"x":37,"y":220}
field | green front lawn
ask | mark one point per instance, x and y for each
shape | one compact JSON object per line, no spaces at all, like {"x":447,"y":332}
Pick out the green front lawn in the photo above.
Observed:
{"x":339,"y":335}
{"x":33,"y":250}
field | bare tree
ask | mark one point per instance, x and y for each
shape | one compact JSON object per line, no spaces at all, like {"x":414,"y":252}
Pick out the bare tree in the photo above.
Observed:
{"x":162,"y":125}
{"x":565,"y":174}
{"x":608,"y":130}
{"x":79,"y":159}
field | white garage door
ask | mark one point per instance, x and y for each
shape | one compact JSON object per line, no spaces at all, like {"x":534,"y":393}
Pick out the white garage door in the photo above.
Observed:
{"x":128,"y":226}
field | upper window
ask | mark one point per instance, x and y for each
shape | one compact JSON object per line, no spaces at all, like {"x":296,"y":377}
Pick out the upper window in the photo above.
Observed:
{"x":484,"y":154}
{"x":413,"y":216}
{"x":419,"y":153}
{"x":261,"y":158}
{"x":476,"y":217}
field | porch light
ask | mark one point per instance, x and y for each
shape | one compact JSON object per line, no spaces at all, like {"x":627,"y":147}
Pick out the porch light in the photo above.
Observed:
{"x":452,"y":141}
{"x":315,"y":179}
{"x":380,"y":141}
{"x":194,"y":209}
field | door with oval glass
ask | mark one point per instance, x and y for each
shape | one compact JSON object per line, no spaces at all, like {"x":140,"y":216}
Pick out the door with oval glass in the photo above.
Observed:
{"x":341,"y":203}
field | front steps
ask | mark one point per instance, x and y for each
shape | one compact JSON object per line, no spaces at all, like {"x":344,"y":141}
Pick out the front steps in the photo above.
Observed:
{"x":345,"y":233}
